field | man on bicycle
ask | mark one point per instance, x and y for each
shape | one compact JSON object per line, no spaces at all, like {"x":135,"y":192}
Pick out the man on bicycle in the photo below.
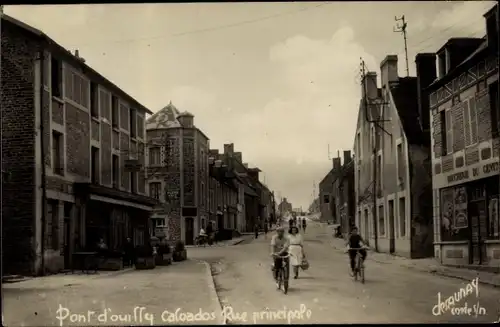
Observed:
{"x":279,"y":247}
{"x":355,"y":244}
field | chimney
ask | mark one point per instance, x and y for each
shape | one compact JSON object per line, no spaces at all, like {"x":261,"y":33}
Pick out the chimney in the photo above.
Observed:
{"x":492,"y":28}
{"x":347,"y":157}
{"x":186,"y":119}
{"x":369,"y":86}
{"x":426,"y":74}
{"x":336,"y":163}
{"x":238,"y":156}
{"x":229,"y":149}
{"x":77,"y":53}
{"x":214,"y":152}
{"x":389,"y":70}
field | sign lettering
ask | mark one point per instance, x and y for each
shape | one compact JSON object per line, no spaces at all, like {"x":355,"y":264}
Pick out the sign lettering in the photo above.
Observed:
{"x":475,"y":172}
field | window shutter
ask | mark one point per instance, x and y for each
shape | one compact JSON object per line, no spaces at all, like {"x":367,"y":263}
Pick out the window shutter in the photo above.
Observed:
{"x":473,"y":120}
{"x":449,"y":132}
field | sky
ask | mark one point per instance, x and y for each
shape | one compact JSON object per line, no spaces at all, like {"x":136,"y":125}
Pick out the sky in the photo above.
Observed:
{"x":279,"y":80}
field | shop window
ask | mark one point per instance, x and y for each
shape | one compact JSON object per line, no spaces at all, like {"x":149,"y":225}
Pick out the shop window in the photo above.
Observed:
{"x":493,"y":219}
{"x":454,"y":214}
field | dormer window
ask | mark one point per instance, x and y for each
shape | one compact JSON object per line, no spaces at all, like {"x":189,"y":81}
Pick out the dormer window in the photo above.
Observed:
{"x":442,"y":64}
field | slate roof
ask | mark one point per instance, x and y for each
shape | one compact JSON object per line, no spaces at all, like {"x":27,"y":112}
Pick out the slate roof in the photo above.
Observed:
{"x":164,"y":118}
{"x":405,"y":94}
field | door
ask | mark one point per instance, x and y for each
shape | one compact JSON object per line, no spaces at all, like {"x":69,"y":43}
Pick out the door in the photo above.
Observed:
{"x":366,"y":227}
{"x":189,"y":231}
{"x":392,"y":232}
{"x":478,"y":216}
{"x":220,"y":222}
{"x":66,"y":245}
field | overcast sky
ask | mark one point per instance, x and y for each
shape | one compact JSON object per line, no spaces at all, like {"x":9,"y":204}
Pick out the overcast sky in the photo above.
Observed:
{"x":279,"y":80}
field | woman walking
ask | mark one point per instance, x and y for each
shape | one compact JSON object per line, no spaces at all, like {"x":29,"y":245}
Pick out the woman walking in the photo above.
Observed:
{"x":296,"y":250}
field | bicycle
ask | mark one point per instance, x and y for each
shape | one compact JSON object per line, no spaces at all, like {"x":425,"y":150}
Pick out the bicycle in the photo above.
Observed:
{"x":359,"y":268}
{"x":283,"y":273}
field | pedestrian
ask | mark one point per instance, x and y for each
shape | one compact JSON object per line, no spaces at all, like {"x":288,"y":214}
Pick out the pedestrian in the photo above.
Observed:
{"x":296,"y":250}
{"x":266,"y":228}
{"x":304,"y":224}
{"x":128,"y":252}
{"x":256,"y":230}
{"x":210,"y":231}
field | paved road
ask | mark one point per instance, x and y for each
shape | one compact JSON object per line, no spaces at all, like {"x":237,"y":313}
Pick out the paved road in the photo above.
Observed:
{"x":391,"y":294}
{"x":183,"y":286}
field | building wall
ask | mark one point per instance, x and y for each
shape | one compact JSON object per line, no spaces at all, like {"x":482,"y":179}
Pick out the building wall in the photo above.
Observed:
{"x":20,"y":233}
{"x":326,"y":196}
{"x":468,"y":161}
{"x":169,"y":175}
{"x":390,"y":187}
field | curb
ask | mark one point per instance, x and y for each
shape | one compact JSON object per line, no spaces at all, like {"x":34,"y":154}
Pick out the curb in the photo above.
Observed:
{"x":115,"y":273}
{"x":215,"y":297}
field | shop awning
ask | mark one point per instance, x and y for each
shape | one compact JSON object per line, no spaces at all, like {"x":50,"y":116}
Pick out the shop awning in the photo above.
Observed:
{"x":110,"y":195}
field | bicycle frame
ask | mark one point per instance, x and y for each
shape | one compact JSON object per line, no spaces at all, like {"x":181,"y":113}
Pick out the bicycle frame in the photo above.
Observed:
{"x":359,"y":269}
{"x":282,"y":273}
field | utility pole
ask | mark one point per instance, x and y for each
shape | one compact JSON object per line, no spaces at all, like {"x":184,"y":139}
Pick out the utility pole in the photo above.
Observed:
{"x":402,"y":29}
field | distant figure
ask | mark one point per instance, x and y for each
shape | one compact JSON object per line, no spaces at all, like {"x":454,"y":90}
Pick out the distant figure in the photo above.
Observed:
{"x":256,"y":230}
{"x":290,"y":222}
{"x":304,"y":224}
{"x":266,"y":228}
{"x":210,"y":232}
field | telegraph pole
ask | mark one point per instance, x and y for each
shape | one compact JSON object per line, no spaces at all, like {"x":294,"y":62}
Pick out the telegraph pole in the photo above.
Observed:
{"x":402,"y":29}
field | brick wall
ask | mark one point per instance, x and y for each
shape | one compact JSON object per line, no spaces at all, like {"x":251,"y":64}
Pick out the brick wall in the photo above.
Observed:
{"x":18,"y":150}
{"x":77,"y":141}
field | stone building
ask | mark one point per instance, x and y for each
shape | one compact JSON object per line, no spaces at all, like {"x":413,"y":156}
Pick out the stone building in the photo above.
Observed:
{"x":223,"y":193}
{"x":464,"y":115}
{"x":326,"y":206}
{"x":284,"y":207}
{"x":392,"y":143}
{"x":67,"y":134}
{"x":343,"y":196}
{"x":177,"y":173}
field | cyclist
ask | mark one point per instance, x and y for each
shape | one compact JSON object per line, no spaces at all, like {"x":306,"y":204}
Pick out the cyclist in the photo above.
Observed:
{"x":279,"y":247}
{"x":355,"y":244}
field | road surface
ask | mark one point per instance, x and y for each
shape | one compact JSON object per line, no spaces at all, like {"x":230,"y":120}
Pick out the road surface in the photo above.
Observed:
{"x":327,"y":294}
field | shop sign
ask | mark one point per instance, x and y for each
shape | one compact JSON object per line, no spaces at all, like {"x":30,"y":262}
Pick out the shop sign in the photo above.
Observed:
{"x":464,"y":175}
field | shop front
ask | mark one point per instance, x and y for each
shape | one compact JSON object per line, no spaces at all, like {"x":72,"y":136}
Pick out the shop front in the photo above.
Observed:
{"x":469,"y":228}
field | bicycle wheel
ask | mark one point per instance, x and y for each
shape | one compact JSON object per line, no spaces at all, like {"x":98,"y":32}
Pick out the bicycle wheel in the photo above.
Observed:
{"x":361,"y":270}
{"x":285,"y":281}
{"x":280,"y":278}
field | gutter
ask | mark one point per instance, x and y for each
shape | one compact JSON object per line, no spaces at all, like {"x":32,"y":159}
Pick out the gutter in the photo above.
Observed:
{"x":42,"y":152}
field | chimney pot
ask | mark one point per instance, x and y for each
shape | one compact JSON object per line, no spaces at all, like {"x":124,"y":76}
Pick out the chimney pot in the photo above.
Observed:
{"x":77,"y":53}
{"x":389,"y":70}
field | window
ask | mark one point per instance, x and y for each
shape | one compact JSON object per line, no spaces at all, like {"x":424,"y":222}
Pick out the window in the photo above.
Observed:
{"x":52,"y":225}
{"x":155,"y":190}
{"x":494,"y":109}
{"x":154,"y":156}
{"x":157,"y":222}
{"x":133,"y":122}
{"x":114,"y":111}
{"x":447,"y":132}
{"x":94,"y":165}
{"x":326,"y":198}
{"x":133,"y":182}
{"x":470,"y":113}
{"x":94,"y":104}
{"x":402,"y":217}
{"x":116,"y":171}
{"x":401,"y":161}
{"x":381,"y":221}
{"x":56,"y":77}
{"x":493,"y":219}
{"x":379,"y":173}
{"x":202,"y":195}
{"x":57,"y":153}
{"x":442,"y":64}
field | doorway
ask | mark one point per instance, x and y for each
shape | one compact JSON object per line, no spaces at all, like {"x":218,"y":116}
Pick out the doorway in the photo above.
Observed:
{"x":66,"y":244}
{"x":189,"y":230}
{"x":392,"y":232}
{"x":366,"y":226}
{"x":477,"y":211}
{"x":220,"y":222}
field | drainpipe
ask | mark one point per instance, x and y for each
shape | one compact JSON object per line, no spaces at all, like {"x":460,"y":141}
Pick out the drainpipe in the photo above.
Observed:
{"x":42,"y":152}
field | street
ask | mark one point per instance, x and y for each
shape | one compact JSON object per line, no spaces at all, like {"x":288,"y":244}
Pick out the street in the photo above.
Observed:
{"x":181,"y":294}
{"x":391,"y":294}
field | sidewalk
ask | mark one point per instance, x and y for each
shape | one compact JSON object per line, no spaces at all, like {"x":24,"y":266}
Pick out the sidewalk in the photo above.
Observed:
{"x":234,"y":241}
{"x":427,"y":265}
{"x":186,"y":285}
